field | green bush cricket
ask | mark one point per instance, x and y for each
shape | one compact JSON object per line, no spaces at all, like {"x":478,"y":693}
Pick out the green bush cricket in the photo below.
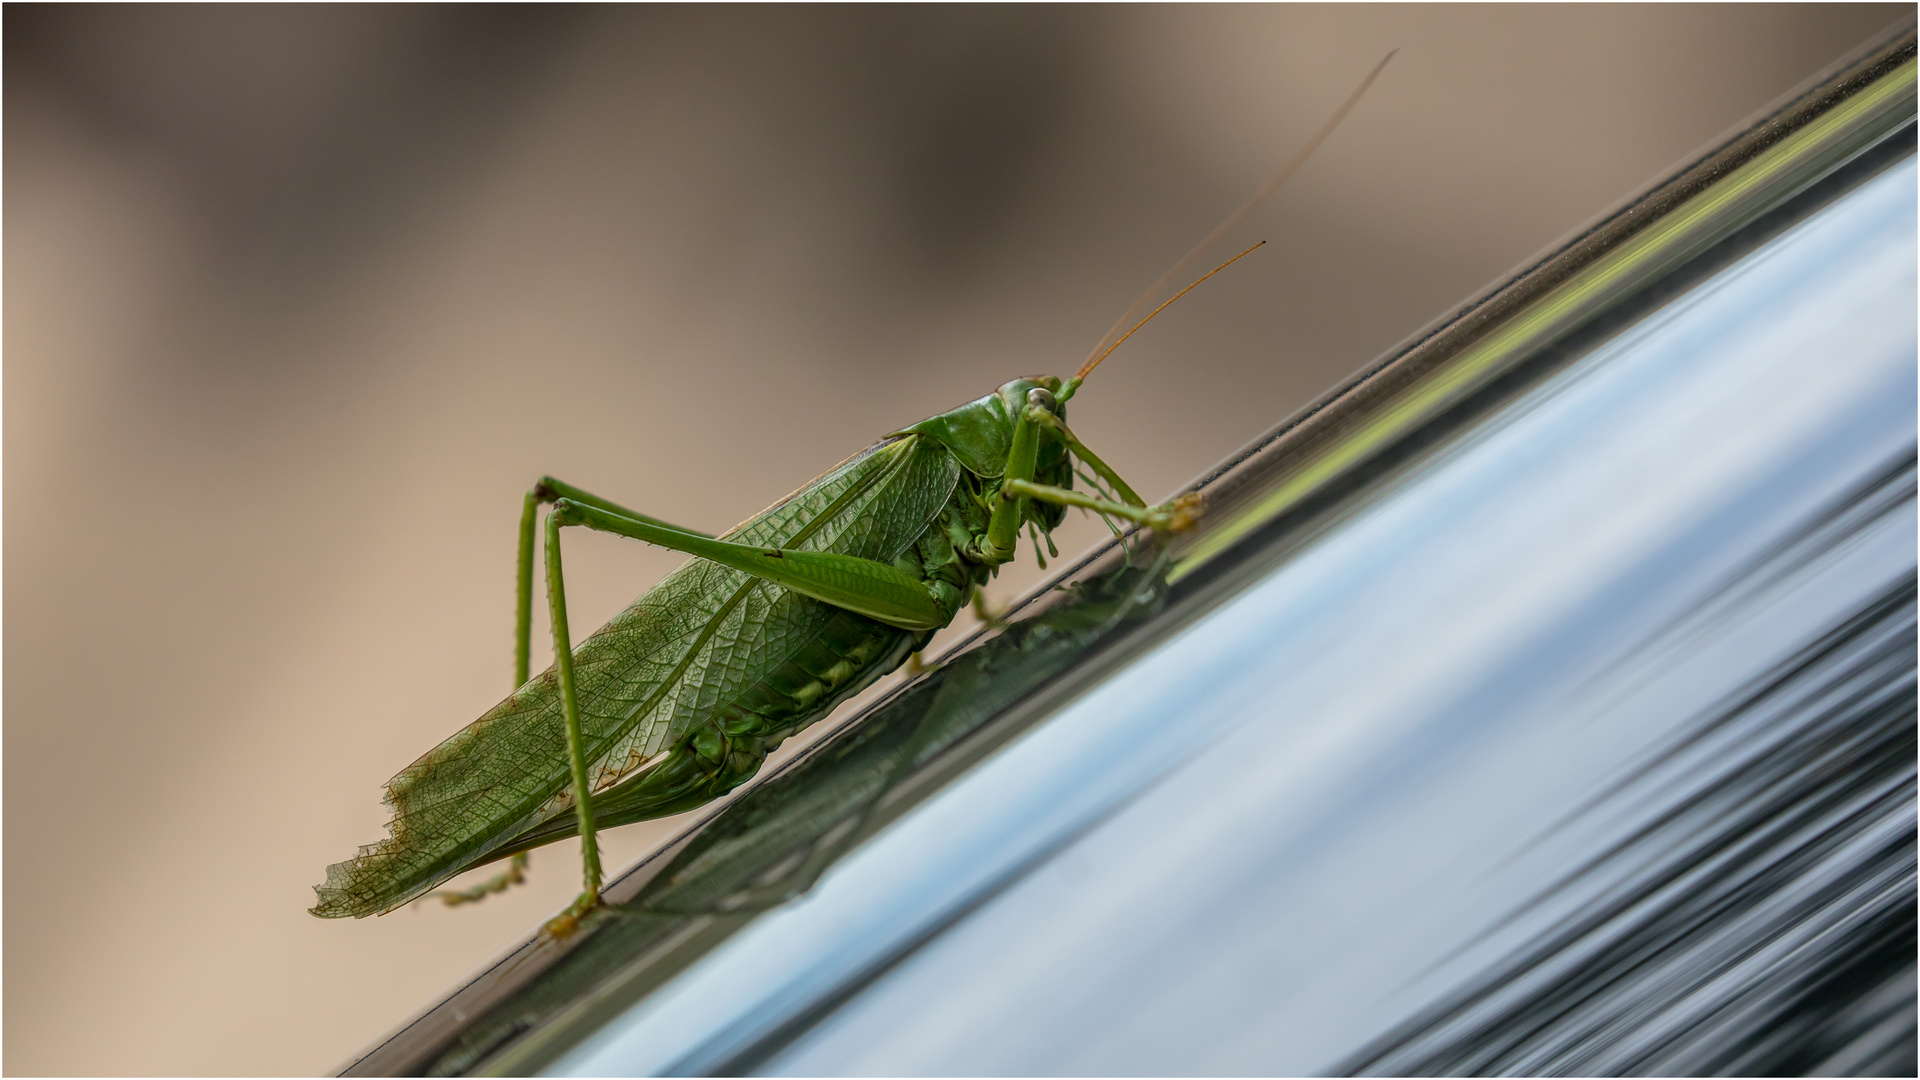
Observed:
{"x":679,"y":698}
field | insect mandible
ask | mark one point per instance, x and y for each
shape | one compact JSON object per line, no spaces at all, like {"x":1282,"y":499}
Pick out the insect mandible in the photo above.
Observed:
{"x":680,"y":698}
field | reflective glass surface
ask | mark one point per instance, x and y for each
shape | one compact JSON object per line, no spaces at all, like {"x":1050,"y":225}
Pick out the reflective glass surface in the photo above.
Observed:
{"x":1585,"y":746}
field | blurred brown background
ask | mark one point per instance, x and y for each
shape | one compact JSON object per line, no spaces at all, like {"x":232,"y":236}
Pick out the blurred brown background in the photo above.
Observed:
{"x":300,"y":299}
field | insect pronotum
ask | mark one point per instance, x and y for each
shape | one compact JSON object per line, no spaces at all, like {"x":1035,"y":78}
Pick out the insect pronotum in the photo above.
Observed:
{"x":680,"y":697}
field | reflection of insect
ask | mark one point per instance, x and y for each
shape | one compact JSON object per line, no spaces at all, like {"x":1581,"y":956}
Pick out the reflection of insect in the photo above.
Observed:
{"x":681,"y":696}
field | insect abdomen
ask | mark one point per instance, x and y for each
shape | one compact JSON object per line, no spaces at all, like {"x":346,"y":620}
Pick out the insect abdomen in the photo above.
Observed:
{"x":845,"y":647}
{"x":728,"y":748}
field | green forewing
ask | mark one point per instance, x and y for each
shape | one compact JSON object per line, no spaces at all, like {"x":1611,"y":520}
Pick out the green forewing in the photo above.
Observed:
{"x":695,"y":641}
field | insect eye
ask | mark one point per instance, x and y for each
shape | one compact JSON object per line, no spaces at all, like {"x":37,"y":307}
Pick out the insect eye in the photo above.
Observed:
{"x":1042,"y":397}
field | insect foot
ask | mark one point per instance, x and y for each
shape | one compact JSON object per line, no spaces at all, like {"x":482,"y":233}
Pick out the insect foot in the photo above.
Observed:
{"x":567,"y":923}
{"x":1179,"y":515}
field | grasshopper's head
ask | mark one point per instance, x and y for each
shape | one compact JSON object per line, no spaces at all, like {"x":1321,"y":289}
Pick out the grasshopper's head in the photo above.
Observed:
{"x":980,"y":435}
{"x":1052,"y":465}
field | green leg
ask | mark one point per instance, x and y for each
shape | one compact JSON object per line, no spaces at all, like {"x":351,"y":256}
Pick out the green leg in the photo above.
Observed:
{"x":877,"y":590}
{"x":570,"y":711}
{"x":545,"y":491}
{"x":1003,"y":528}
{"x":1176,"y":516}
{"x":1120,"y":487}
{"x":523,"y":594}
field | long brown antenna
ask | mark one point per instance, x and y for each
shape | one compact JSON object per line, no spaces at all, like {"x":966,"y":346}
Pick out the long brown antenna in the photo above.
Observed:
{"x":1235,"y":218}
{"x":1087,"y":368}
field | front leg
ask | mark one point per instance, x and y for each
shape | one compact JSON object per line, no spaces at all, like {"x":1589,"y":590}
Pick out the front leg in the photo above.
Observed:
{"x":1079,"y":449}
{"x":1003,"y":527}
{"x":1176,"y":516}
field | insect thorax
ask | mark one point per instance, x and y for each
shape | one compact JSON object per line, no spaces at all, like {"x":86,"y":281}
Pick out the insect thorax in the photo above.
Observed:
{"x":980,"y":434}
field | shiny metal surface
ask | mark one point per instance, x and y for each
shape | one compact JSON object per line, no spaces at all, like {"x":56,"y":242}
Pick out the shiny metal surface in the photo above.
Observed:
{"x":1408,"y":755}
